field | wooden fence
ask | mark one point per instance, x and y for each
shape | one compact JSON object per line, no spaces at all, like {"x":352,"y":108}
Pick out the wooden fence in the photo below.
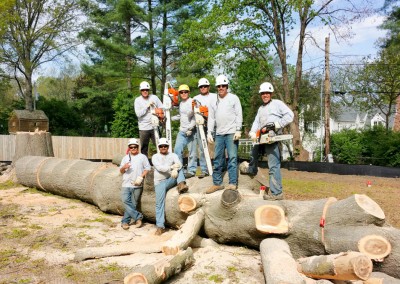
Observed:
{"x":72,"y":147}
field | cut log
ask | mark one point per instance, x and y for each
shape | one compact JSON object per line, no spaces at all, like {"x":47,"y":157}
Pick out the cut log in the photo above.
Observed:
{"x":229,"y":215}
{"x":375,"y":247}
{"x":162,"y":269}
{"x":270,"y":219}
{"x":190,"y":202}
{"x":343,"y":266}
{"x":278,"y":264}
{"x":184,"y":236}
{"x":199,"y":242}
{"x":37,"y":143}
{"x":379,"y":277}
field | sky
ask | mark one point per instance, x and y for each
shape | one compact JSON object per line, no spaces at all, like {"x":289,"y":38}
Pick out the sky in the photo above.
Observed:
{"x":362,"y":44}
{"x":365,"y":34}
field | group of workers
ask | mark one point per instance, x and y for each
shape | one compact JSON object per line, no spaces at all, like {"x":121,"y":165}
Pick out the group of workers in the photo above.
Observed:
{"x":224,"y":129}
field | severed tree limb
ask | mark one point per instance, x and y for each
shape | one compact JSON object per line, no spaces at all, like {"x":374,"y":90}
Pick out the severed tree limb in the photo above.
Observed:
{"x":161,"y":270}
{"x":183,"y":237}
{"x":271,"y":219}
{"x":344,"y":266}
{"x":278,"y":264}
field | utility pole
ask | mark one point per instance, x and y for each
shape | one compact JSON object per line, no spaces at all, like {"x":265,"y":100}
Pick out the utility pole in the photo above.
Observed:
{"x":327,"y":90}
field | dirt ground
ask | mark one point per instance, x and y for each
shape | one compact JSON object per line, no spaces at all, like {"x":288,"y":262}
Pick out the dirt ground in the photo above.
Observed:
{"x":40,"y":233}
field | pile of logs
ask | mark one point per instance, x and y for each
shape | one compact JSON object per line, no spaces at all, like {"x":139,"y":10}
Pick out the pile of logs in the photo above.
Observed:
{"x":299,"y":241}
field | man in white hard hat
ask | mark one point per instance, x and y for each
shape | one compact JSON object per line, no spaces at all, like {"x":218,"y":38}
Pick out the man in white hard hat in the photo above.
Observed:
{"x":143,"y":105}
{"x":187,"y":131}
{"x":203,"y":99}
{"x":134,"y":167}
{"x":273,"y":115}
{"x":167,"y":174}
{"x":225,"y":113}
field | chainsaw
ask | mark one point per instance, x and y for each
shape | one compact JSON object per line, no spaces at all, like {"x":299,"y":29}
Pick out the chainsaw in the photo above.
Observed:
{"x":266,"y":135}
{"x":170,"y":99}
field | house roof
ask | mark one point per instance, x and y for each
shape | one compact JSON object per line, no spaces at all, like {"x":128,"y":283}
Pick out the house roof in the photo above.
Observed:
{"x":26,"y":114}
{"x":348,"y":114}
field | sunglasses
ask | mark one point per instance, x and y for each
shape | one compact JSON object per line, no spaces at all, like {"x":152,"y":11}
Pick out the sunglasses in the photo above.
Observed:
{"x":144,"y":90}
{"x":133,"y":147}
{"x":222,"y":86}
{"x":201,"y":87}
{"x":184,"y":92}
{"x":265,"y":93}
{"x":163,"y":146}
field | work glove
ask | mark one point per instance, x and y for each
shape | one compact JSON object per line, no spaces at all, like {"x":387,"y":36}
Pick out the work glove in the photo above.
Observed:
{"x":210,"y":139}
{"x":176,"y":117}
{"x":138,"y":181}
{"x":277,"y":125}
{"x":151,"y":104}
{"x":175,"y":166}
{"x":188,"y":133}
{"x":237,"y":135}
{"x":194,"y":104}
{"x":253,"y":137}
{"x":174,"y":173}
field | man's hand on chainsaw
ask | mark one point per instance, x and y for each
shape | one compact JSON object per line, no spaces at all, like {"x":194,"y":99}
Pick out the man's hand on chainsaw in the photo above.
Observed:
{"x":151,"y":104}
{"x":175,"y":166}
{"x":253,"y":137}
{"x":210,"y":138}
{"x":271,"y":133}
{"x":174,"y":173}
{"x":154,"y":120}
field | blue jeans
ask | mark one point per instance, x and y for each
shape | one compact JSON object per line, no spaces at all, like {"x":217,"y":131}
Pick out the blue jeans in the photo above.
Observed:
{"x":223,"y":142}
{"x":130,"y":197}
{"x":202,"y":158}
{"x":274,"y":165}
{"x":161,"y":191}
{"x":181,"y":142}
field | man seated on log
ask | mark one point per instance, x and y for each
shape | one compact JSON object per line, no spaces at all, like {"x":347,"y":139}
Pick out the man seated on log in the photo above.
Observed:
{"x":167,"y":174}
{"x":134,"y":167}
{"x":271,"y":117}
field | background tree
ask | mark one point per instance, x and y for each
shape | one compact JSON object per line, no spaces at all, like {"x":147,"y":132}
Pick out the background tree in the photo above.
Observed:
{"x":37,"y":32}
{"x":229,"y":27}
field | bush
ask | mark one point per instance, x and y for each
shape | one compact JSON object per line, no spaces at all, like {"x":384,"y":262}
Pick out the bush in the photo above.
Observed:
{"x":374,"y":146}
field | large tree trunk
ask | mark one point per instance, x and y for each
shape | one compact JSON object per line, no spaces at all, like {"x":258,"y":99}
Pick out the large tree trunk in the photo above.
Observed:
{"x":33,"y":144}
{"x":310,"y":228}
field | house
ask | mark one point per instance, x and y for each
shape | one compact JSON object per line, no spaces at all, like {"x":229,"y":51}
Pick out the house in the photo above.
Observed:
{"x":349,"y":118}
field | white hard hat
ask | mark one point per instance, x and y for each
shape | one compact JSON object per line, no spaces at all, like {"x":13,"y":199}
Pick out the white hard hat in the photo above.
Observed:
{"x":133,"y":141}
{"x":203,"y":82}
{"x":162,"y":141}
{"x":221,"y":80}
{"x":266,"y":87}
{"x":144,"y":86}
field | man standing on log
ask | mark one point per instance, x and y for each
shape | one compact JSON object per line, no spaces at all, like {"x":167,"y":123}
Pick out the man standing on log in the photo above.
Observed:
{"x":134,"y":167}
{"x":203,"y":99}
{"x":143,"y":105}
{"x":187,"y":131}
{"x":225,"y":113}
{"x":167,"y":173}
{"x":272,"y":115}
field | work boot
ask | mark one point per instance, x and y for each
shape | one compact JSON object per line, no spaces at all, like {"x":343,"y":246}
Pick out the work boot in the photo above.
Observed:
{"x":214,"y":188}
{"x":132,"y":222}
{"x":160,"y":231}
{"x":139,"y":223}
{"x":125,"y":226}
{"x":231,"y":186}
{"x":182,"y":187}
{"x":272,"y":197}
{"x":202,"y":175}
{"x":189,"y":175}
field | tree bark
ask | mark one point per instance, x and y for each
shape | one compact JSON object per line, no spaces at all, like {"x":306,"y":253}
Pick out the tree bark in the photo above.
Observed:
{"x":344,"y":266}
{"x":161,"y":270}
{"x":278,"y":264}
{"x":33,"y":144}
{"x":229,"y":215}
